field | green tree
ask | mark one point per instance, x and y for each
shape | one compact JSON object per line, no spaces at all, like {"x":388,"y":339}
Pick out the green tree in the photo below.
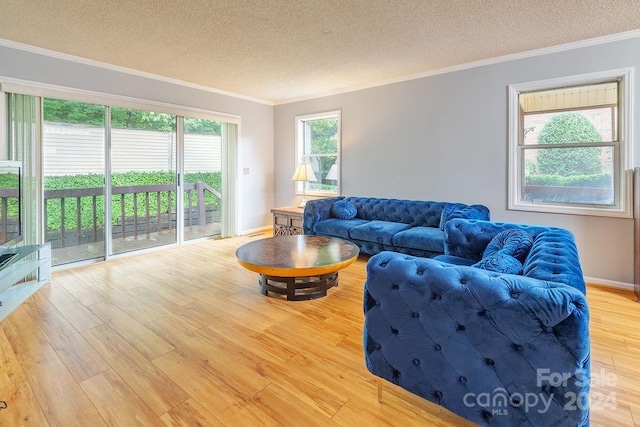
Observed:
{"x":324,"y":140}
{"x":63,"y":111}
{"x":569,"y":128}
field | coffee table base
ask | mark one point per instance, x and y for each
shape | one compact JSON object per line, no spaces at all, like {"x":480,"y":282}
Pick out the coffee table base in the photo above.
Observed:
{"x":298,"y":288}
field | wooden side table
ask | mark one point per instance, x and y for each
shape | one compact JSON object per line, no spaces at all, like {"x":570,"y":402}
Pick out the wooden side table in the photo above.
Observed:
{"x":287,"y":221}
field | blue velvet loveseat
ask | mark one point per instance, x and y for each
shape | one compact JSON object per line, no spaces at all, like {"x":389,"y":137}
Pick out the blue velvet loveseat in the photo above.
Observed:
{"x":376,"y":224}
{"x":495,"y":348}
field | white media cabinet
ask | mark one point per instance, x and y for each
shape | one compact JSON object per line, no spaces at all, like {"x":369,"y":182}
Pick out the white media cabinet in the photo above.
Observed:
{"x":29,"y":271}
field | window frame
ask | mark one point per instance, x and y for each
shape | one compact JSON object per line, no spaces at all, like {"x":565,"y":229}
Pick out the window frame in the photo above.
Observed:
{"x":623,"y":149}
{"x":300,"y":154}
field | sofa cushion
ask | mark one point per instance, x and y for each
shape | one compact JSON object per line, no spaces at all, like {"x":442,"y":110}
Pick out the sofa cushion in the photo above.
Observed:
{"x":337,"y":227}
{"x":514,"y":242}
{"x":377,"y":231}
{"x":501,"y":263}
{"x":344,"y":209}
{"x":425,"y":238}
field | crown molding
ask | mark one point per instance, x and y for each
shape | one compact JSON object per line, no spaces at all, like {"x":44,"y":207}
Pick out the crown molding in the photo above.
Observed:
{"x":121,"y":69}
{"x":475,"y":64}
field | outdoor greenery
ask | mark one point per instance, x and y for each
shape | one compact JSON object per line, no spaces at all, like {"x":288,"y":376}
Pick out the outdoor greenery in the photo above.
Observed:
{"x":118,"y":180}
{"x":566,"y":128}
{"x":62,"y":111}
{"x":323,"y":137}
{"x":602,"y":180}
{"x":8,"y":181}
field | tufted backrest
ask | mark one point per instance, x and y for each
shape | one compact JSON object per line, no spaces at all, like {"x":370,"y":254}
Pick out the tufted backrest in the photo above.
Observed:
{"x":416,"y":213}
{"x":553,"y":256}
{"x":483,"y":345}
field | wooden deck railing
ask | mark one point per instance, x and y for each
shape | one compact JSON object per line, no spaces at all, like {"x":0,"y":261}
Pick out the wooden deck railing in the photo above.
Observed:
{"x":151,"y":220}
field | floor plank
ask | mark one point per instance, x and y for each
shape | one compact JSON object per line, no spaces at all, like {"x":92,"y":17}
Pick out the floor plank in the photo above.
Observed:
{"x":59,"y":394}
{"x":155,"y":388}
{"x":117,"y":403}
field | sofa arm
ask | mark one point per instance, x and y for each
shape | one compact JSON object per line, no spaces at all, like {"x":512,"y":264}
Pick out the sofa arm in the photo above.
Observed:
{"x":460,"y":210}
{"x":475,"y":341}
{"x":317,"y":210}
{"x":468,"y":238}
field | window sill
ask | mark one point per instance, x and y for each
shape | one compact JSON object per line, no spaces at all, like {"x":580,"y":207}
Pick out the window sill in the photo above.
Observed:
{"x":612,"y":212}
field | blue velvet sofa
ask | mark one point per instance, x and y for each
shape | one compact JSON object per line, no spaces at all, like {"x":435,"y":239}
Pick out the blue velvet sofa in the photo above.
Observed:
{"x":495,"y":348}
{"x":376,"y":224}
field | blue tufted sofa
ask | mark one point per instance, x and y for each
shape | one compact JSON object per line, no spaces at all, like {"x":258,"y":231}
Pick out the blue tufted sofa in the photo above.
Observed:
{"x":496,"y":349}
{"x":406,"y":226}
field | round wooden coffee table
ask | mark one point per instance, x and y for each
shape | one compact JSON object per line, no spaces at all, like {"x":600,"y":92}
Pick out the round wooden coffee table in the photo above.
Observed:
{"x":301,"y":267}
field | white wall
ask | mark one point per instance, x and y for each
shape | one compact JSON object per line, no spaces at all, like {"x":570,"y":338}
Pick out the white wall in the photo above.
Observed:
{"x":444,"y":138}
{"x":255,"y":145}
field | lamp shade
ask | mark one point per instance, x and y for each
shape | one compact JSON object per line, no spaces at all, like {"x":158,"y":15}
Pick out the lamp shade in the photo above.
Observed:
{"x":304,"y":172}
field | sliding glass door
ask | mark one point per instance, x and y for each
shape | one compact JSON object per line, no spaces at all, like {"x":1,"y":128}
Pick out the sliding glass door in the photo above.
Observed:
{"x":202,"y":178}
{"x":143,"y":179}
{"x":109,"y":182}
{"x":73,"y":139}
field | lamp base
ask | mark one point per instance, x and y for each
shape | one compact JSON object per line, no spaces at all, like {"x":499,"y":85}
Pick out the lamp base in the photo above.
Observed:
{"x":302,"y":204}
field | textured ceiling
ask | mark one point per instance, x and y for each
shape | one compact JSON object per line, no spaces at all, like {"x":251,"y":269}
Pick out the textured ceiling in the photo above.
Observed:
{"x":277,"y":50}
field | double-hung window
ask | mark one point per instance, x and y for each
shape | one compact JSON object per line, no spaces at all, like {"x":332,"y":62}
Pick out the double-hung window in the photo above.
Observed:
{"x":318,"y":144}
{"x":570,"y":145}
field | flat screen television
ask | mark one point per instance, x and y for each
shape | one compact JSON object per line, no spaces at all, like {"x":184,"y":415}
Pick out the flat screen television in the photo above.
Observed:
{"x":10,"y":203}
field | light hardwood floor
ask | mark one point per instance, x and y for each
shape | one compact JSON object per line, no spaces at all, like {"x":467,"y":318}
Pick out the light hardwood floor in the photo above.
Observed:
{"x":182,"y":337}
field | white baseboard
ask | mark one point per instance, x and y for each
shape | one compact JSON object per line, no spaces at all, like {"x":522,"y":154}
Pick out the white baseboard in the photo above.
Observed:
{"x":610,"y":283}
{"x":256,"y":230}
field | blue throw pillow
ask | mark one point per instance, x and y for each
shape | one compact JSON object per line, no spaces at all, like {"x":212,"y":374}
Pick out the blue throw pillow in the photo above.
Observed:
{"x":514,"y":242}
{"x":500,"y":264}
{"x":344,"y":209}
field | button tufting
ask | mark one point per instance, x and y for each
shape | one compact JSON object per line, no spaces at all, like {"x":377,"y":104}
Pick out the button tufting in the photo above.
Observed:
{"x":438,"y":393}
{"x":490,"y":362}
{"x":515,"y":295}
{"x":437,"y":347}
{"x":383,"y":264}
{"x":378,"y":303}
{"x":414,"y":314}
{"x":394,"y":286}
{"x":461,"y":328}
{"x":463,"y":281}
{"x":394,"y":331}
{"x":463,"y":380}
{"x":416,"y":362}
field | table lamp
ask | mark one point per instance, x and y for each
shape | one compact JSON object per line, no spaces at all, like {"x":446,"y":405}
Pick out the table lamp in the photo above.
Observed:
{"x":303,"y":173}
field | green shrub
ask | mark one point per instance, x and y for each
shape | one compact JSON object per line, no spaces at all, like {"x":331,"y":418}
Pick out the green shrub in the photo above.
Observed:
{"x":602,"y":180}
{"x":568,"y":128}
{"x":96,"y":181}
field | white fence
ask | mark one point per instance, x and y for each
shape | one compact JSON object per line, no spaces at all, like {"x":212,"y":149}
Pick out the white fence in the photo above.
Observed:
{"x":78,"y":149}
